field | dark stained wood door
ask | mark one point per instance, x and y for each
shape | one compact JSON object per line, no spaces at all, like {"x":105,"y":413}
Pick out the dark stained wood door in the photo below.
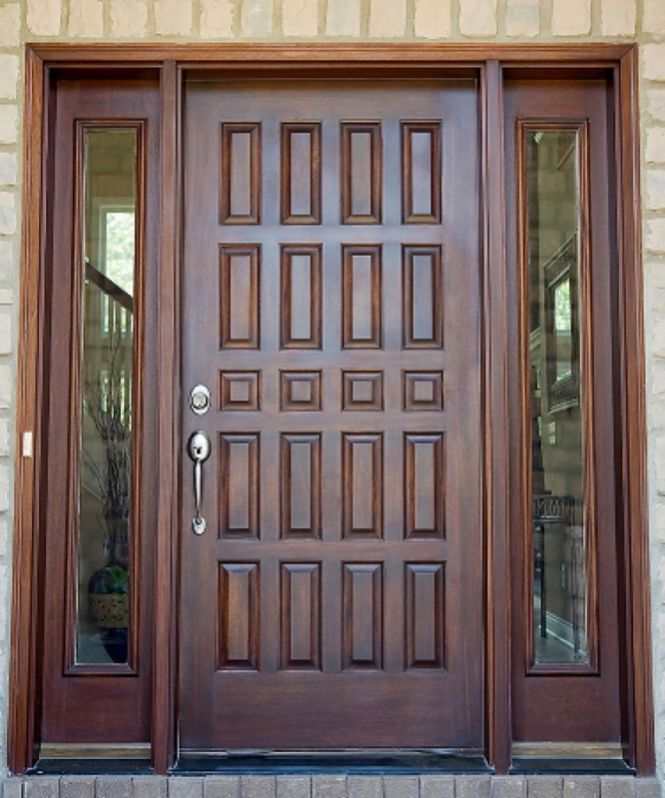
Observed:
{"x":331,"y":305}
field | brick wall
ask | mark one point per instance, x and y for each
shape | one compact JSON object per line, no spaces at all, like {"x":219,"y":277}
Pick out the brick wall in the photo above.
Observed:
{"x":447,"y":20}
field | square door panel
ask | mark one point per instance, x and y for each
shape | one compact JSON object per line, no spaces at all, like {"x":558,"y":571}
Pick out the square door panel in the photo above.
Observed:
{"x":423,"y":390}
{"x":362,"y":390}
{"x":300,"y":390}
{"x":240,"y":390}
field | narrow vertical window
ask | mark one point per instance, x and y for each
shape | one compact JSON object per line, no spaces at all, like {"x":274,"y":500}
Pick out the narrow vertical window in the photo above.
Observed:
{"x":107,"y":393}
{"x":560,"y":526}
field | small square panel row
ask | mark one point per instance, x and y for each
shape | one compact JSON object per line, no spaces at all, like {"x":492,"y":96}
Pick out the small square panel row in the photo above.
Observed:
{"x":303,"y":390}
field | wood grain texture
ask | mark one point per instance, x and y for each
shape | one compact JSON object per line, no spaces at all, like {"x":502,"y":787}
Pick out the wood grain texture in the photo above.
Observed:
{"x":334,"y":477}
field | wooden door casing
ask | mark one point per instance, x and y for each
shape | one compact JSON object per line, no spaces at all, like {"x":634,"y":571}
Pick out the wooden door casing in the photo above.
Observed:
{"x":331,"y":303}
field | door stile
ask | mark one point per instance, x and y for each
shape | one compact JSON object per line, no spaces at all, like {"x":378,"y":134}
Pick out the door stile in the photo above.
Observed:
{"x":496,"y":431}
{"x":168,"y":514}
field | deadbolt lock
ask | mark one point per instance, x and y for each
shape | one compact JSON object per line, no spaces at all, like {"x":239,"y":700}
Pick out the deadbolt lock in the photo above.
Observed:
{"x":199,"y":399}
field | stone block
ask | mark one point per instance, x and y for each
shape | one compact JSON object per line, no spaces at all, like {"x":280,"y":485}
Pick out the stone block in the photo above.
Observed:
{"x":5,"y":334}
{"x":581,"y":787}
{"x":76,"y":786}
{"x":10,"y":25}
{"x":293,"y":786}
{"x":387,"y":18}
{"x":544,"y":787}
{"x":185,"y":787}
{"x":221,"y":787}
{"x":655,"y":189}
{"x":6,"y":391}
{"x":9,"y":65}
{"x":478,"y":17}
{"x":43,"y":17}
{"x":655,"y":145}
{"x":617,"y":787}
{"x":129,"y":18}
{"x":432,"y":19}
{"x":86,"y":19}
{"x":300,"y":18}
{"x":113,"y":787}
{"x":437,"y":787}
{"x":216,"y":21}
{"x":257,"y":787}
{"x":472,"y":787}
{"x":571,"y":17}
{"x":8,"y":168}
{"x":256,"y":18}
{"x":508,"y":787}
{"x":8,"y":124}
{"x":523,"y":18}
{"x":655,"y":238}
{"x":150,"y":786}
{"x":654,"y":102}
{"x":647,"y":788}
{"x":653,"y":61}
{"x":173,"y":17}
{"x":364,"y":787}
{"x":7,"y":212}
{"x":618,"y":17}
{"x":400,"y":787}
{"x":6,"y":257}
{"x":40,"y":786}
{"x":328,"y":786}
{"x":343,"y":18}
{"x":653,"y":17}
{"x":15,"y":785}
{"x":12,"y":788}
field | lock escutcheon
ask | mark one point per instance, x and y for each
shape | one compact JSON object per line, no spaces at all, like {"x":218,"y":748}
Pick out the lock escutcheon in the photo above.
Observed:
{"x":199,"y":399}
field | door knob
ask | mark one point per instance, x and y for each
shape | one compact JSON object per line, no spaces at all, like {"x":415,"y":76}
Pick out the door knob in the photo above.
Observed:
{"x":199,"y":451}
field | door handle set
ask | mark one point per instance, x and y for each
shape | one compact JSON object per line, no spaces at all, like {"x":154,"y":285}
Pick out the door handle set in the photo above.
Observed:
{"x":198,"y":449}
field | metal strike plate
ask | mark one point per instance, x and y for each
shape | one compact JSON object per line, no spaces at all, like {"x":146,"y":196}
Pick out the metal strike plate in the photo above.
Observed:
{"x":199,"y":399}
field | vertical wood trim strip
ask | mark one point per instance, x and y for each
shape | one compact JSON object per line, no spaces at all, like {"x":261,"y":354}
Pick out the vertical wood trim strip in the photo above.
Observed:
{"x":22,"y":676}
{"x":497,"y":442}
{"x":633,"y":421}
{"x":168,"y":425}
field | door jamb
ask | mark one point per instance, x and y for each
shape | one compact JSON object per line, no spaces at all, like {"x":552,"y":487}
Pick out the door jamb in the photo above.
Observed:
{"x":489,"y":60}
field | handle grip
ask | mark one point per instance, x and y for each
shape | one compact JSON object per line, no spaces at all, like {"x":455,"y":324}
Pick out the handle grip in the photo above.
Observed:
{"x":199,"y":451}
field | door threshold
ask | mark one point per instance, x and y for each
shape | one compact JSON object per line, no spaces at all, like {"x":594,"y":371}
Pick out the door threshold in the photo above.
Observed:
{"x":87,"y":766}
{"x":556,"y":766}
{"x":367,"y":762}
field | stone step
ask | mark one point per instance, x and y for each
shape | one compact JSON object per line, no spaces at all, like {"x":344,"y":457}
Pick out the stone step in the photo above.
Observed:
{"x":330,"y":786}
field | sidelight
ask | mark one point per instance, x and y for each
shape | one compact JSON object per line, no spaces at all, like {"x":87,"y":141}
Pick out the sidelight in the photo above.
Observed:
{"x":107,"y":389}
{"x":559,"y":526}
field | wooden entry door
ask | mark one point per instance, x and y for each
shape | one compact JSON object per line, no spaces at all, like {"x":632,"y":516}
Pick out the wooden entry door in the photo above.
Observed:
{"x":331,"y":306}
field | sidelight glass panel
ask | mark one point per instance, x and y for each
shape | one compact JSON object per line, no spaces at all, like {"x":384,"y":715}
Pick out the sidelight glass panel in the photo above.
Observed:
{"x":559,"y":588}
{"x":107,"y":390}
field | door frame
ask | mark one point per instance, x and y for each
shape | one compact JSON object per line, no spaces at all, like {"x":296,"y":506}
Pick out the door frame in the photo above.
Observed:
{"x":490,"y":63}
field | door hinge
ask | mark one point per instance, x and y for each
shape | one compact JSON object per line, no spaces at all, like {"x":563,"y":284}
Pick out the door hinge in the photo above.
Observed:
{"x":27,"y":444}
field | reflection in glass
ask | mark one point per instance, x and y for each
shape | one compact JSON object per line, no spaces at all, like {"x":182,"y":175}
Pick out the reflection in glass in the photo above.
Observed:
{"x":560,"y":592}
{"x":109,"y":250}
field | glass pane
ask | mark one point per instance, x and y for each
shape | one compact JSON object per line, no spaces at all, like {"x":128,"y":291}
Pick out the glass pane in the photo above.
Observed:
{"x":558,"y":523}
{"x":109,"y":243}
